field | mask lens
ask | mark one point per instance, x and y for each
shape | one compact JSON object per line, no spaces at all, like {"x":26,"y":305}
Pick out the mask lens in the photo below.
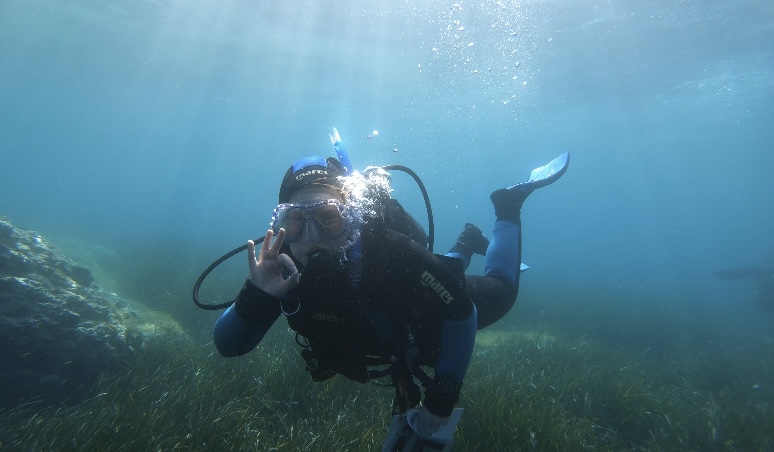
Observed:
{"x":326,"y":216}
{"x":292,"y":220}
{"x":329,"y":218}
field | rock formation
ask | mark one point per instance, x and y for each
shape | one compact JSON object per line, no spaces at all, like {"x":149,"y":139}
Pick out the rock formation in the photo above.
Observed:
{"x":58,"y":330}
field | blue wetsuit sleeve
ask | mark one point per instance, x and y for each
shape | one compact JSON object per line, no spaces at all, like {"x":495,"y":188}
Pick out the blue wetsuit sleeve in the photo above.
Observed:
{"x":235,"y":336}
{"x":244,"y":323}
{"x":457,"y":340}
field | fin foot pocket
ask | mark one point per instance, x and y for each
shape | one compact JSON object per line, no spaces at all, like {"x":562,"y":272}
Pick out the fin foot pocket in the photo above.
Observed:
{"x":474,"y":239}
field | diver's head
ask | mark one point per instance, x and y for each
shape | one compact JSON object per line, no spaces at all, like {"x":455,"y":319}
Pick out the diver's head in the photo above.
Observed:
{"x":311,"y":171}
{"x":313,"y":211}
{"x":323,"y":210}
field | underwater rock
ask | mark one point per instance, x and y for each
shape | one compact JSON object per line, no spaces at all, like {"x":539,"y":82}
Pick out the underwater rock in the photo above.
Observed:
{"x":58,"y":330}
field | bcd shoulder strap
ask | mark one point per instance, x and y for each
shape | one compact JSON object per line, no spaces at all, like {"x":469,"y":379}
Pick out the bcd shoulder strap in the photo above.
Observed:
{"x":396,"y":218}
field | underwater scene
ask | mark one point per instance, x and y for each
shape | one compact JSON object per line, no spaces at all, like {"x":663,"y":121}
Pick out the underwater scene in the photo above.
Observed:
{"x":143,"y":140}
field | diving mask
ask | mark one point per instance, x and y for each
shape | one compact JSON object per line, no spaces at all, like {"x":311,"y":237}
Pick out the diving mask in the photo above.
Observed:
{"x":324,"y":220}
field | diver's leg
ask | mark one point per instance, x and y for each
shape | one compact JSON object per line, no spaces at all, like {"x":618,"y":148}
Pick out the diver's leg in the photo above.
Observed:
{"x":503,"y":258}
{"x":495,"y":294}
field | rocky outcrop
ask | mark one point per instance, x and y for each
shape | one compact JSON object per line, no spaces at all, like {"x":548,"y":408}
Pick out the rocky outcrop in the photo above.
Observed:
{"x":58,"y":330}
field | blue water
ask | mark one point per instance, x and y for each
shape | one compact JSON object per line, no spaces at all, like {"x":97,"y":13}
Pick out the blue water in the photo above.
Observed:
{"x":154,"y":126}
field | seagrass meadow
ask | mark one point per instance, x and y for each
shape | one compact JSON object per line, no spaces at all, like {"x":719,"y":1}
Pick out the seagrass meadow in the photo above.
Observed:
{"x":526,"y":389}
{"x":144,"y":139}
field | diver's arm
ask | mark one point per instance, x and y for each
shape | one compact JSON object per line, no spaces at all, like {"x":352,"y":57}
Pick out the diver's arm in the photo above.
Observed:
{"x":243,"y":325}
{"x":457,"y":341}
{"x":440,"y":281}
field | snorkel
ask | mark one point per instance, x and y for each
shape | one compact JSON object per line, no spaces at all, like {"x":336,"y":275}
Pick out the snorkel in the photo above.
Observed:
{"x":341,"y":152}
{"x":355,"y":251}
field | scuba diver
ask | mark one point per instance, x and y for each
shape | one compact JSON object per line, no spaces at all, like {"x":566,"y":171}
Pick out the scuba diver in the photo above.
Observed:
{"x":762,"y":276}
{"x":351,"y":271}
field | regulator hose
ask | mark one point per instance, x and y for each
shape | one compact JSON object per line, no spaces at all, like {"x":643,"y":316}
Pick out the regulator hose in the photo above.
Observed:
{"x":205,"y":273}
{"x":428,"y":206}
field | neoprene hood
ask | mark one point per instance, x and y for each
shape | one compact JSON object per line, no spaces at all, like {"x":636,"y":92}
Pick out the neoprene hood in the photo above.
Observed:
{"x":310,"y":171}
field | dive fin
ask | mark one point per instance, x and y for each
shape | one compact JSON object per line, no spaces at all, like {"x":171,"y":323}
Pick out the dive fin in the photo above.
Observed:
{"x":523,"y":267}
{"x":402,"y":438}
{"x":507,"y":201}
{"x":548,"y":173}
{"x":551,"y":171}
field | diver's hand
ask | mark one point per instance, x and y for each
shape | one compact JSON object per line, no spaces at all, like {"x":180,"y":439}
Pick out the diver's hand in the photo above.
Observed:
{"x":423,"y":422}
{"x":266,"y":270}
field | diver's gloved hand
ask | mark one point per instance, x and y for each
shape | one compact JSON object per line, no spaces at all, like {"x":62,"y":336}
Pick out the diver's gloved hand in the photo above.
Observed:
{"x":266,"y":270}
{"x":423,"y":422}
